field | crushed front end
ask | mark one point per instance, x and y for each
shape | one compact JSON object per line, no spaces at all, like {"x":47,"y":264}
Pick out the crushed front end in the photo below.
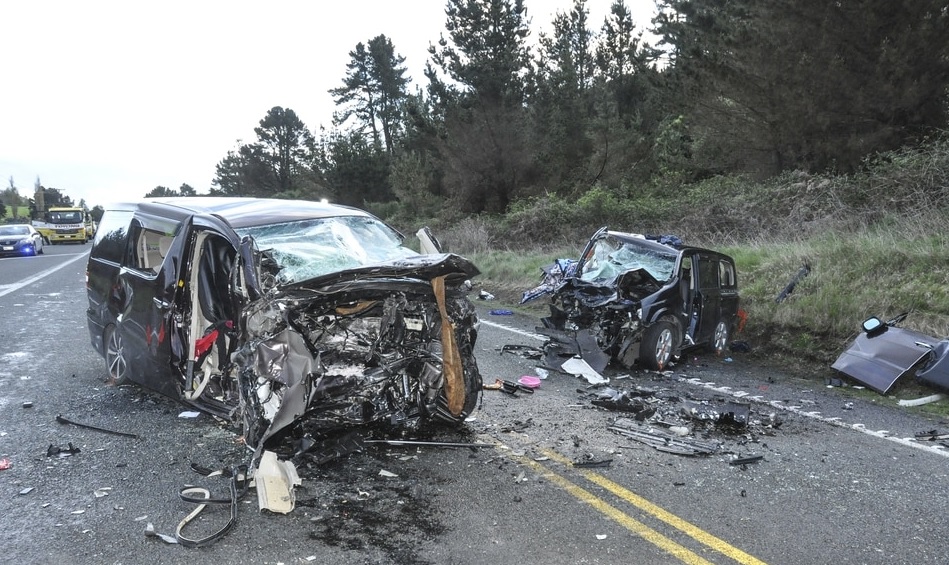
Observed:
{"x":391,"y":346}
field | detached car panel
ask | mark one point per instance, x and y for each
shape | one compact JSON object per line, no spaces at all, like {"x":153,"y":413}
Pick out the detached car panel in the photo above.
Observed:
{"x":883,"y":353}
{"x":644,"y":299}
{"x":290,"y":317}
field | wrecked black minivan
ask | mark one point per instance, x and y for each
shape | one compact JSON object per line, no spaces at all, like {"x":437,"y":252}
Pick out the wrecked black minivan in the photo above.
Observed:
{"x":288,"y":317}
{"x":633,"y":298}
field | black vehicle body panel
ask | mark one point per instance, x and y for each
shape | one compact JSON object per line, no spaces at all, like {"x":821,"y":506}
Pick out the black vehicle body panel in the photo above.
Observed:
{"x":879,"y":358}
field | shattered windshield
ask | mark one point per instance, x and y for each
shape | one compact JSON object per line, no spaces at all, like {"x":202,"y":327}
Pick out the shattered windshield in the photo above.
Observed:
{"x":320,"y":246}
{"x":612,"y":257}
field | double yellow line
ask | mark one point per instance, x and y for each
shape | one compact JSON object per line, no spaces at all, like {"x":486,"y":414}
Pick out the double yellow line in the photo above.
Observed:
{"x":668,"y":545}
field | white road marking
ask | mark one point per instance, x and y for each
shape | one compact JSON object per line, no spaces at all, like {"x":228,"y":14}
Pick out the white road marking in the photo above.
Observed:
{"x":514,"y":330}
{"x":834,"y":421}
{"x":7,"y":289}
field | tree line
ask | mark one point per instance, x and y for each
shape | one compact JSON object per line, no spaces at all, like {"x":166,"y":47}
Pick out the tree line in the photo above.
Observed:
{"x":720,"y":87}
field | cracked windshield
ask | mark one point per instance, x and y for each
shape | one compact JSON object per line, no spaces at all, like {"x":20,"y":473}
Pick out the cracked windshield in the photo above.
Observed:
{"x":312,"y":248}
{"x":612,"y":257}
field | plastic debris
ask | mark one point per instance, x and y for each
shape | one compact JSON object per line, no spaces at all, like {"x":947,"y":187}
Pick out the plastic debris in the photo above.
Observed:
{"x":151,"y":533}
{"x":576,"y":366}
{"x":485,"y":295}
{"x":661,"y":440}
{"x":27,"y":490}
{"x":61,"y":451}
{"x":387,"y":474}
{"x":746,"y":460}
{"x":529,"y":381}
{"x":593,"y":464}
{"x":501,"y":312}
{"x":924,"y":400}
{"x":62,"y":420}
{"x":189,"y":414}
{"x":5,"y":464}
{"x":27,"y":404}
{"x":275,"y":480}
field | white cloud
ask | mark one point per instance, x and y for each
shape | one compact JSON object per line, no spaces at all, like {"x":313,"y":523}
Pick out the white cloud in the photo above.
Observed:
{"x":107,"y":99}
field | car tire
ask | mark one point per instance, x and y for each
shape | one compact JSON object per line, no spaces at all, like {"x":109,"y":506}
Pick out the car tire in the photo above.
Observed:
{"x":115,"y":361}
{"x":721,"y":338}
{"x":659,"y":345}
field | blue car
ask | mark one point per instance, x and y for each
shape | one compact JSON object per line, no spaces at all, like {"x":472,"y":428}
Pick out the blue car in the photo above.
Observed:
{"x":20,"y":240}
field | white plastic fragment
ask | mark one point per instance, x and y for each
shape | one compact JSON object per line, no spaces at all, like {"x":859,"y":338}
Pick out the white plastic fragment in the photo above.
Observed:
{"x":150,"y":532}
{"x":274,"y":480}
{"x":601,"y":536}
{"x":924,"y":400}
{"x":578,"y":367}
{"x":384,"y":473}
{"x":189,"y":414}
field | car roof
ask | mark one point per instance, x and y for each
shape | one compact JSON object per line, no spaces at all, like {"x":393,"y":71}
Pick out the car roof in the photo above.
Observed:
{"x":642,"y":240}
{"x":243,"y":212}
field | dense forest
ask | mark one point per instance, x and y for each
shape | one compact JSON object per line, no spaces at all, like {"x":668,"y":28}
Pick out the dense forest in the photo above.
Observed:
{"x":508,"y":123}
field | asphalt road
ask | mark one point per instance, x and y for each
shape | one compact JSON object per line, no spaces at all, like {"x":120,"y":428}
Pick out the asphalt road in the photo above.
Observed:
{"x":839,"y":480}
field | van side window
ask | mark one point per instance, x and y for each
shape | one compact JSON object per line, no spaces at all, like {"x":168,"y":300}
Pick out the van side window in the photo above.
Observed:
{"x":708,"y":273}
{"x":146,"y":251}
{"x":112,"y":235}
{"x":727,"y":274}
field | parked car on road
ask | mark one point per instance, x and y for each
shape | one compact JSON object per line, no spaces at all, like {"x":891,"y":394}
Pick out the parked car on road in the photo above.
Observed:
{"x":293,"y":318}
{"x":644,"y":299}
{"x":20,"y":240}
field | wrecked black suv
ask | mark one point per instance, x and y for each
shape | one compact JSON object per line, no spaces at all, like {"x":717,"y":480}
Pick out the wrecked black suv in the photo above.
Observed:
{"x":633,"y":298}
{"x":289,"y":317}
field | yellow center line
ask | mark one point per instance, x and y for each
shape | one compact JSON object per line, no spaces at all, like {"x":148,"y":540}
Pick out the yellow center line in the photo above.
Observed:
{"x":691,"y":530}
{"x":680,"y":552}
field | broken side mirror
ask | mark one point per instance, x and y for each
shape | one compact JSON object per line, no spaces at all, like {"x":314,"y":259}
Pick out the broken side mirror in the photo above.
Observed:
{"x":873,"y":325}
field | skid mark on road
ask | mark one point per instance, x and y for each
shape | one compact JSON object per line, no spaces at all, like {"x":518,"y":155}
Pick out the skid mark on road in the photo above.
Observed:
{"x":779,"y":405}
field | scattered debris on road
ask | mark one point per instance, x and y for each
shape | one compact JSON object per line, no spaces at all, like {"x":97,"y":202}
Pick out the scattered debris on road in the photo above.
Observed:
{"x":64,"y":421}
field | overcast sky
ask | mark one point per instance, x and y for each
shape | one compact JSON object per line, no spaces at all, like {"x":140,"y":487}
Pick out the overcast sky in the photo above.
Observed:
{"x":106,"y":100}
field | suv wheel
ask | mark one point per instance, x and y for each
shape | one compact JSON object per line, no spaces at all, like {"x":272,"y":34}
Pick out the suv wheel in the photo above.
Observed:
{"x":720,"y":338}
{"x":658,"y":345}
{"x":115,"y":356}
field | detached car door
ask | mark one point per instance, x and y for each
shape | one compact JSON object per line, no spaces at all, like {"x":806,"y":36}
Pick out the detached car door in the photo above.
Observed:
{"x":146,"y":317}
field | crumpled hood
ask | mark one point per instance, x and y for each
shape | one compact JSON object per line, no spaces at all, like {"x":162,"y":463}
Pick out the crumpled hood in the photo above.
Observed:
{"x":636,"y":284}
{"x":422,"y":267}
